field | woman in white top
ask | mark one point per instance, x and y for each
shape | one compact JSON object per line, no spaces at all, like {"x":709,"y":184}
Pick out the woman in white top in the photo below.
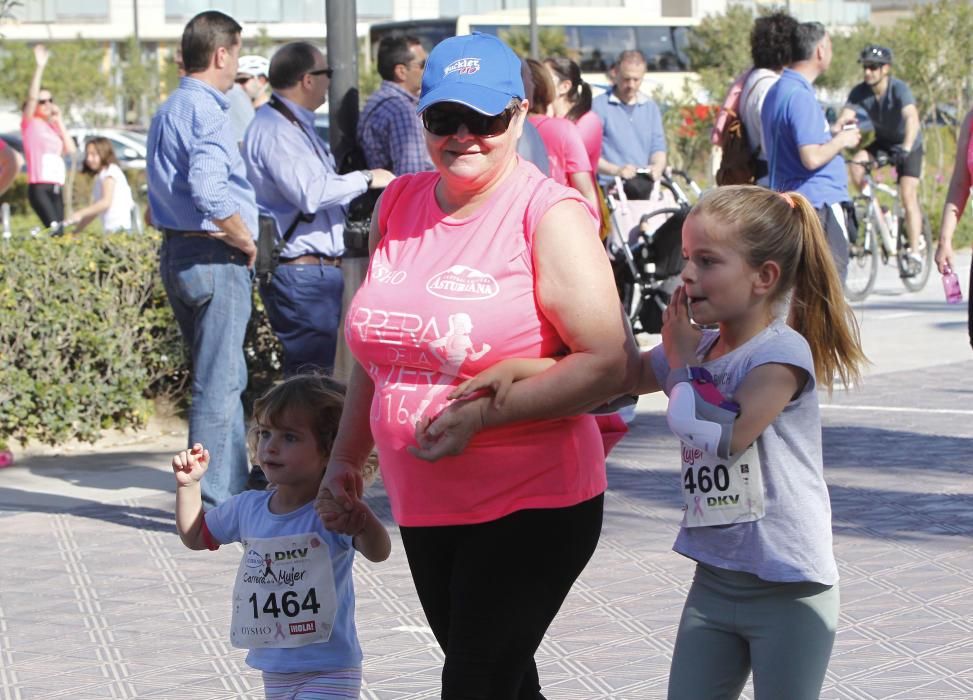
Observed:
{"x":111,"y":196}
{"x":770,"y":48}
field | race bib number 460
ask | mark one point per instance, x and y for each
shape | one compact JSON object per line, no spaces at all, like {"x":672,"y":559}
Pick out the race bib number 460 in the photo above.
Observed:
{"x":721,"y":492}
{"x":284,"y":594}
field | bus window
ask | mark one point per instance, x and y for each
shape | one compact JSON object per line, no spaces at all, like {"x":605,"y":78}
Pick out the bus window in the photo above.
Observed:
{"x":657,"y":44}
{"x":599,"y":46}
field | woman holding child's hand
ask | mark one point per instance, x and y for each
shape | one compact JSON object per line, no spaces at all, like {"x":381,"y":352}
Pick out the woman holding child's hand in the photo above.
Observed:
{"x":498,"y":498}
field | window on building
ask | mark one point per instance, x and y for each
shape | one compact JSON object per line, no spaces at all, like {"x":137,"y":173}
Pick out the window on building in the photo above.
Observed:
{"x":263,"y":11}
{"x":62,"y":11}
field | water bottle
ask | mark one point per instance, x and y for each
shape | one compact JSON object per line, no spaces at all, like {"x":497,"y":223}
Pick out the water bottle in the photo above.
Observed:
{"x":5,"y":216}
{"x":954,"y":295}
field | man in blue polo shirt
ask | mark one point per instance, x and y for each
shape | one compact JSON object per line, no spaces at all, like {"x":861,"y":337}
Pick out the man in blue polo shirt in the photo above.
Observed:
{"x":633,"y":135}
{"x":803,"y":155}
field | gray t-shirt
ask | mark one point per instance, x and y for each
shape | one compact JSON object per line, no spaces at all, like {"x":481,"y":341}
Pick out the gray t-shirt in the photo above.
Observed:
{"x":792,"y":542}
{"x":885,"y":112}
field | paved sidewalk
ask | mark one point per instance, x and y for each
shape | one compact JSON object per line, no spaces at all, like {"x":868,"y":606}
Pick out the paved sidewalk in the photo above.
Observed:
{"x":98,"y":598}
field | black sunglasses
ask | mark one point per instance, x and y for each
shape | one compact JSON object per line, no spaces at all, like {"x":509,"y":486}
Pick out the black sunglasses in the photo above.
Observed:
{"x":872,"y":66}
{"x":445,"y":122}
{"x":322,"y":71}
{"x":44,"y":102}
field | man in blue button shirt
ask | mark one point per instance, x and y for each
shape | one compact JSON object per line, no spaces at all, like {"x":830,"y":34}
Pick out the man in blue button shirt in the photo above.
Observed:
{"x":200,"y":199}
{"x":633,"y":134}
{"x":294,"y":175}
{"x":802,"y":154}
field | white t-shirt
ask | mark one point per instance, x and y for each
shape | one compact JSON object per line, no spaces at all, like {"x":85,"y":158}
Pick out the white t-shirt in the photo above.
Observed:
{"x":119,"y":213}
{"x":752,"y":97}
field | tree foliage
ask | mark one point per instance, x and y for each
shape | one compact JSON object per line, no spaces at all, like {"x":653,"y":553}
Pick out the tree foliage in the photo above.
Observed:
{"x":719,"y":48}
{"x":551,"y":41}
{"x":76,"y":75}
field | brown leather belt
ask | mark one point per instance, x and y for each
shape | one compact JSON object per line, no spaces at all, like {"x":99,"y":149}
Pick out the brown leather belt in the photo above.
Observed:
{"x":312,"y":259}
{"x":173,"y":233}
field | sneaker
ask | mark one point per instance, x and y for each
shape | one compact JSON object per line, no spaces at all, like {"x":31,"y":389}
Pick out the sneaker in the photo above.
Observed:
{"x":256,"y":481}
{"x":912,"y":264}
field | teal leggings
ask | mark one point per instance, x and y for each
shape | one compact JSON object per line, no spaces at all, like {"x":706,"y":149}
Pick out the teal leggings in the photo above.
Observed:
{"x":734,"y":622}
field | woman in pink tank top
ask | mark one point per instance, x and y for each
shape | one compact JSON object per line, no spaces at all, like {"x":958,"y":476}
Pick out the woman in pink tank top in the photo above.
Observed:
{"x":499,"y":507}
{"x":46,"y":143}
{"x":572,"y":101}
{"x":569,"y":161}
{"x":956,"y":198}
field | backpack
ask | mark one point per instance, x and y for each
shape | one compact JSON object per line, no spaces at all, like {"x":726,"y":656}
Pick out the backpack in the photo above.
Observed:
{"x":738,"y":165}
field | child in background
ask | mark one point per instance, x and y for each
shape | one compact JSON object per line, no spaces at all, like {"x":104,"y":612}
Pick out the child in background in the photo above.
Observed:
{"x":111,"y":196}
{"x":293,"y":600}
{"x":743,"y":401}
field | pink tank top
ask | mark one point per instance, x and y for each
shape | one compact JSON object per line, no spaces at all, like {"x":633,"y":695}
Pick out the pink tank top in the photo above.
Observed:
{"x":445,"y":298}
{"x":42,"y":151}
{"x":566,"y":153}
{"x":592,"y":130}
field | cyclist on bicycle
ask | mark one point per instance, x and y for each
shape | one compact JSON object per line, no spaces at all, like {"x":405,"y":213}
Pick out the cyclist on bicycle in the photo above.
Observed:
{"x":890,"y":106}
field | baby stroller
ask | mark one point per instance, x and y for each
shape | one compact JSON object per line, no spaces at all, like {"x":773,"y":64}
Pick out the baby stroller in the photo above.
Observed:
{"x":645,"y":246}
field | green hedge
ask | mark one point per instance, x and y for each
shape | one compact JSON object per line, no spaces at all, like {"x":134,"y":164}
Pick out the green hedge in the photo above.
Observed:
{"x":87,"y":338}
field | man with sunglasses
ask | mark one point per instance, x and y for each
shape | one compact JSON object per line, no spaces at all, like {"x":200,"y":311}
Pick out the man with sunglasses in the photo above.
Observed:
{"x":303,"y":201}
{"x":890,"y":106}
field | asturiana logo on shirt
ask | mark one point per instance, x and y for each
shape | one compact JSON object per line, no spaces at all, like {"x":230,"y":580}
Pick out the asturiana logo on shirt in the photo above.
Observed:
{"x":462,"y":283}
{"x":463,"y":66}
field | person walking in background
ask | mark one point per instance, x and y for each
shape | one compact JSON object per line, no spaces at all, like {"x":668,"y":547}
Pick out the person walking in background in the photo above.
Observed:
{"x":317,"y":655}
{"x":956,"y":198}
{"x":770,"y":48}
{"x":499,"y":510}
{"x":305,"y":202}
{"x":572,"y":101}
{"x":201,"y":200}
{"x":569,"y":161}
{"x":46,"y":143}
{"x":633,"y":134}
{"x":891,"y":108}
{"x":111,"y":196}
{"x":802,"y":154}
{"x":530,"y":145}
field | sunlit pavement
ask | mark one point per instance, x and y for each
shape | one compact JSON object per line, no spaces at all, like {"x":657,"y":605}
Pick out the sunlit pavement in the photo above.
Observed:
{"x":98,"y":598}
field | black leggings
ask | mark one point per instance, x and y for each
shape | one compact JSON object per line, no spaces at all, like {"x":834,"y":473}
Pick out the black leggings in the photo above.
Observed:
{"x":490,"y":591}
{"x":47,"y":202}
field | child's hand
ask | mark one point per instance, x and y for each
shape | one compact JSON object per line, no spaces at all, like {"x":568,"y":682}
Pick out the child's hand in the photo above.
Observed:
{"x":497,"y":379}
{"x":680,"y":338}
{"x":330,"y":512}
{"x":190,"y":465}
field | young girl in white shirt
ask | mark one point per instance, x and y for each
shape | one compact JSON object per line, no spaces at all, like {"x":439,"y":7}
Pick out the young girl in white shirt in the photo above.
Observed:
{"x":111,"y":197}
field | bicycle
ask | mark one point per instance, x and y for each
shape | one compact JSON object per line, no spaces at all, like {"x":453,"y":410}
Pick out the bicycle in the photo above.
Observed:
{"x":882,"y":234}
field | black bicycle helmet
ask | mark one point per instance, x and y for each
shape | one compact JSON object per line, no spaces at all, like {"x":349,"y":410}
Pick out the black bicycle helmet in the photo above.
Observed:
{"x":873,"y":53}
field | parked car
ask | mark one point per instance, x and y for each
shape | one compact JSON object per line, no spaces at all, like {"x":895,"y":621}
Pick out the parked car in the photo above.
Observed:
{"x":131,"y":147}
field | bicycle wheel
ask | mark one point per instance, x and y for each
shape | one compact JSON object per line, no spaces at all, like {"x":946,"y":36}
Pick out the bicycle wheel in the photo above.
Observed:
{"x":914,"y":274}
{"x":862,"y":263}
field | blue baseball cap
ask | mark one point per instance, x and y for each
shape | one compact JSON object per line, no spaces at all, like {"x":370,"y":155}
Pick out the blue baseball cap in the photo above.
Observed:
{"x":476,"y":70}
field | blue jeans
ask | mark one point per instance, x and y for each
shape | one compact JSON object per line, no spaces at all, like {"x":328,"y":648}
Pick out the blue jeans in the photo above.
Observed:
{"x":209,"y":288}
{"x":303,"y":305}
